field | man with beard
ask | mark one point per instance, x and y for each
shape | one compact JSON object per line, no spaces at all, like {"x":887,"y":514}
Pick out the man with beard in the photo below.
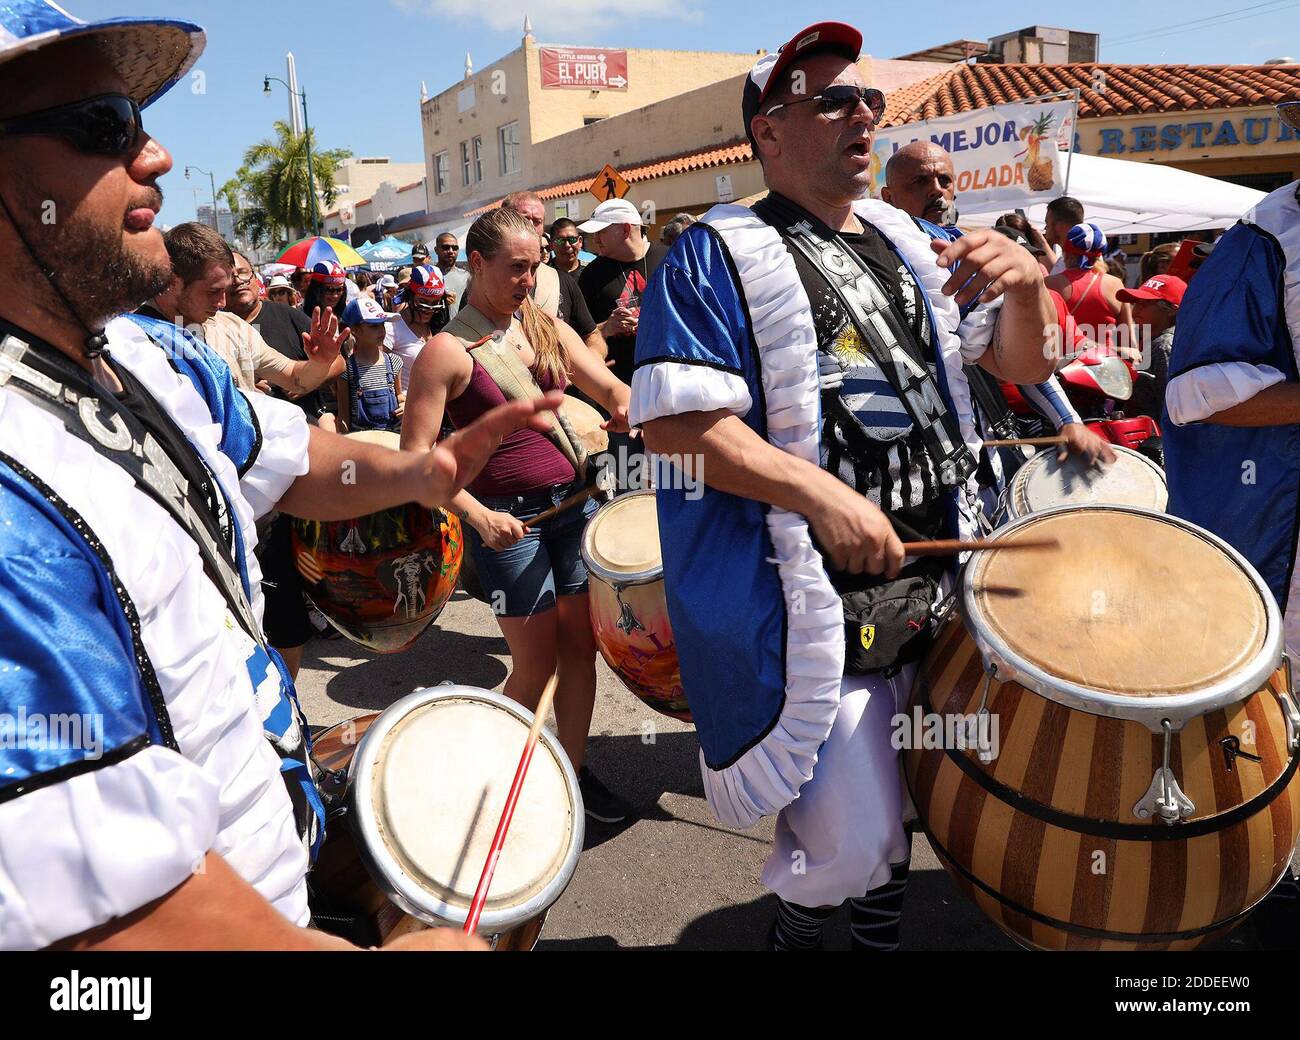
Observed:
{"x":919,"y":180}
{"x":132,"y":473}
{"x":794,"y":528}
{"x":456,"y":279}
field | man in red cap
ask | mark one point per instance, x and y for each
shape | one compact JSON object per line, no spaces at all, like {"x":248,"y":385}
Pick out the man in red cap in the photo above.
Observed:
{"x":809,"y":483}
{"x":1155,"y":309}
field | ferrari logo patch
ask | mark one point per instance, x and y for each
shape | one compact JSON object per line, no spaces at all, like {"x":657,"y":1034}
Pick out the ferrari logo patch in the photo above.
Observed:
{"x":867,"y":634}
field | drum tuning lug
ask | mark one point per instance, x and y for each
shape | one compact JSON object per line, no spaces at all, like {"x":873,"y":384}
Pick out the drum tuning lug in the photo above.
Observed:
{"x":1289,"y":709}
{"x":627,"y":621}
{"x":1164,"y":798}
{"x":985,"y":751}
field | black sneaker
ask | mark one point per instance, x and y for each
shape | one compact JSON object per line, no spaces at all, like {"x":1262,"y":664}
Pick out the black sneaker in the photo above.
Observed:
{"x":600,"y":802}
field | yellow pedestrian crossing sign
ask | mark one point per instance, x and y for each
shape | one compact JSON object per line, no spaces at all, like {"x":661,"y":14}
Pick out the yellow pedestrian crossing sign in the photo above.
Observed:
{"x":609,"y":184}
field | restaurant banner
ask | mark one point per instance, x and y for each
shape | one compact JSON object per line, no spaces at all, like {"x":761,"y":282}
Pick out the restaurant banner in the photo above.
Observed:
{"x":583,"y":68}
{"x":1004,"y":153}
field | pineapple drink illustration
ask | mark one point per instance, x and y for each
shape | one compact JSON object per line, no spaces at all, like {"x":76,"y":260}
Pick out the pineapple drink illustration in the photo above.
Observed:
{"x":1039,"y":171}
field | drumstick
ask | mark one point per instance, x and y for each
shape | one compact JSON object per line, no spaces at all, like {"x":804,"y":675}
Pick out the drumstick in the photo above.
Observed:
{"x":1024,"y":442}
{"x":951,"y":546}
{"x":512,"y":799}
{"x":568,"y":503}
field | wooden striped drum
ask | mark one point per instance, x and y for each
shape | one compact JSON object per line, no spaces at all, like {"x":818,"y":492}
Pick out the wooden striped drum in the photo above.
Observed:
{"x":1082,"y":672}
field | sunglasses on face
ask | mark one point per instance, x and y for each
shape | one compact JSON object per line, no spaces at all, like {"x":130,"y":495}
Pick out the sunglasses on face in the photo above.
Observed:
{"x":837,"y":102}
{"x":108,"y":124}
{"x":567,"y":240}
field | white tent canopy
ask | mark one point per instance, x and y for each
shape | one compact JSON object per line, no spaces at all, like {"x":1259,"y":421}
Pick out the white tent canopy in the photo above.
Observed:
{"x":1130,"y":198}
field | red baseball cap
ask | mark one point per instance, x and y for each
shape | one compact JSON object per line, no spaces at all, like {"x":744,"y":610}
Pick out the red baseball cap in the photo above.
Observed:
{"x":770,"y":68}
{"x":1166,"y":287}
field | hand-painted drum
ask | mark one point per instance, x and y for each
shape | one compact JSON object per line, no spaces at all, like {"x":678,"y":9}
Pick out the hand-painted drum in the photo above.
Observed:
{"x":423,"y":794}
{"x":1104,"y":757}
{"x":380,"y":579}
{"x":629,"y":613}
{"x":1044,"y":483}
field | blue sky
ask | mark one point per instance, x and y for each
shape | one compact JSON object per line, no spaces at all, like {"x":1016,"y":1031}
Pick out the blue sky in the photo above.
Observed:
{"x":361,"y":63}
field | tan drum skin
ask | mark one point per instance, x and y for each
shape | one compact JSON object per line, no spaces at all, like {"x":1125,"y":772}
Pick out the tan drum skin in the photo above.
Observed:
{"x":586,"y":422}
{"x":629,"y":612}
{"x":1046,"y":483}
{"x":437,"y":835}
{"x":1045,"y":838}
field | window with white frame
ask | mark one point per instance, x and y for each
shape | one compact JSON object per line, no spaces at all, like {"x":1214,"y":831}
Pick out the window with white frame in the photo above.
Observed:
{"x":464,"y":163}
{"x":441,"y":174}
{"x":508,"y":139}
{"x":478,"y":159}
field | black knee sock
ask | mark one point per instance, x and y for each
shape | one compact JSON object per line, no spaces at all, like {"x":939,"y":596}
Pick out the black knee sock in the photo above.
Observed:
{"x":798,"y":927}
{"x":874,"y":918}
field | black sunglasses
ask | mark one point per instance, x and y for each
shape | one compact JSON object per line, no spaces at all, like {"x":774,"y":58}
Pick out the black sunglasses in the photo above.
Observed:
{"x":837,"y":102}
{"x":568,"y":240}
{"x":108,"y":124}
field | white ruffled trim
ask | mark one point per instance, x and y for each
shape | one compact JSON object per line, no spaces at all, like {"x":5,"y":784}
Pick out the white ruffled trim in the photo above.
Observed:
{"x":676,"y":388}
{"x":100,"y":845}
{"x":199,"y":655}
{"x":282,"y":458}
{"x":1196,"y":395}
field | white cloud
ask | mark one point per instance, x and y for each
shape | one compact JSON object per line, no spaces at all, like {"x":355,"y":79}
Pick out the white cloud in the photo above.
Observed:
{"x":554,"y":21}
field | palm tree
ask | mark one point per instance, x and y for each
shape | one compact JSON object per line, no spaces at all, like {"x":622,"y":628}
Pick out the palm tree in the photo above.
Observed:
{"x":275,"y":180}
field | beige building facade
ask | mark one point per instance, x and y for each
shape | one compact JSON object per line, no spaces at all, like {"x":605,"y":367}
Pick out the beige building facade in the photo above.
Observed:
{"x":482,"y":135}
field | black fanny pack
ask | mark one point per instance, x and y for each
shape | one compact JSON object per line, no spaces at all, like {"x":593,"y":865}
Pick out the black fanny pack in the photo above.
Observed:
{"x":888,"y":624}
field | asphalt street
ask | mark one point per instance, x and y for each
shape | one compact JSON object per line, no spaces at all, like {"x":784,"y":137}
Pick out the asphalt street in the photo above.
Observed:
{"x":673,"y":877}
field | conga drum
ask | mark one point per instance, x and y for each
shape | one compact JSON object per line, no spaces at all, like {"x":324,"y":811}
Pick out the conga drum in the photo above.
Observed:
{"x":629,"y":613}
{"x":1104,"y":755}
{"x":1045,"y":483}
{"x":415,"y":793}
{"x":380,"y":579}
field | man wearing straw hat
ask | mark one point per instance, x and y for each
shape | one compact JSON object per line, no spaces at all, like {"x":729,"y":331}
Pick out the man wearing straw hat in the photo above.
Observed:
{"x":179,"y":811}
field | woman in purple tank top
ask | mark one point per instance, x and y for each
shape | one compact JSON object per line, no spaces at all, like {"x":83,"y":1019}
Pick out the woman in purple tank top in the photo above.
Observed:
{"x":534,"y":578}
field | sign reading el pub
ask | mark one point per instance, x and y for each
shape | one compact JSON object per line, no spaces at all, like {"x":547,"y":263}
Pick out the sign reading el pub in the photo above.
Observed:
{"x":1194,"y":135}
{"x":583,"y":68}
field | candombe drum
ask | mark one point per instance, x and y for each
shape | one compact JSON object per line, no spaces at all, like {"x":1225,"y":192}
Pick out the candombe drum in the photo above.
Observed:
{"x":1045,"y":483}
{"x":380,"y":579}
{"x":415,"y":793}
{"x":629,"y":613}
{"x":585,"y":422}
{"x":1113,"y":762}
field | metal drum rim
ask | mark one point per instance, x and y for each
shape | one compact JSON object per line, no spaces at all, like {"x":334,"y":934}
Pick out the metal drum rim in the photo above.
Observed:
{"x":388,"y":872}
{"x":1021,"y":478}
{"x":1150,"y":712}
{"x":618,"y":579}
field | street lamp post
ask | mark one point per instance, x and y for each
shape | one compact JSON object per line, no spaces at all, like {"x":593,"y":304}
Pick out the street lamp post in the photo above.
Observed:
{"x":212,"y":181}
{"x":306,"y":130}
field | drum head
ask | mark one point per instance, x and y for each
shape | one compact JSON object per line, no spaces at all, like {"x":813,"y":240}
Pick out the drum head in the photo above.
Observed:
{"x":1134,"y":614}
{"x":1131,"y":480}
{"x":621,"y":544}
{"x":585,"y":421}
{"x":431,"y":779}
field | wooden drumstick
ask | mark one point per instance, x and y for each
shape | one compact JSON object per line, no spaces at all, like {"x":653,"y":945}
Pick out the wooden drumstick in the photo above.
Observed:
{"x":512,"y":799}
{"x":568,"y":503}
{"x":1025,"y":442}
{"x":952,"y":546}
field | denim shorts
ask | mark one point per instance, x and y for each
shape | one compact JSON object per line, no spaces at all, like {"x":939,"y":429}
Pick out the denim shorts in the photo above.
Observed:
{"x":545,"y":564}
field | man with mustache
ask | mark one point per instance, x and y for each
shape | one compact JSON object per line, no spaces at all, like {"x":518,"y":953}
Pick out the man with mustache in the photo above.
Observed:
{"x":919,"y":180}
{"x":132,"y":472}
{"x":806,"y":491}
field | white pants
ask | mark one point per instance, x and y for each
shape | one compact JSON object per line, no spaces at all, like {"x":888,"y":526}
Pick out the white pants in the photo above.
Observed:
{"x":837,"y":840}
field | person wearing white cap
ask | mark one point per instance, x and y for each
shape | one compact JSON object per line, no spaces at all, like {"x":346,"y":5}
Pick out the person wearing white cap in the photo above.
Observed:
{"x":614,"y":282}
{"x":369,"y":390}
{"x":781,"y":575}
{"x":132,"y":474}
{"x":280,"y":290}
